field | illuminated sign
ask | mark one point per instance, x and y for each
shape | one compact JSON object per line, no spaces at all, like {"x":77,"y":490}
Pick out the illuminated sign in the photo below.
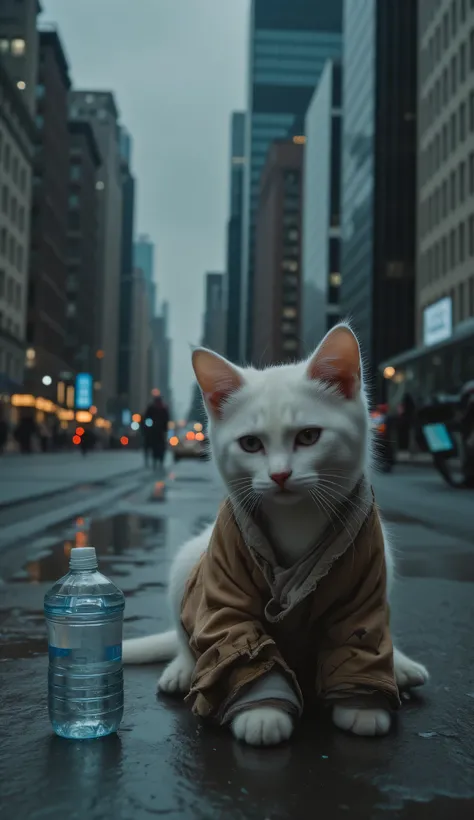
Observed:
{"x":438,"y":321}
{"x":83,"y":393}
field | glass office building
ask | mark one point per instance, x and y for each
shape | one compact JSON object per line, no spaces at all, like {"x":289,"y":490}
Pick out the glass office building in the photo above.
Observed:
{"x":379,"y":175}
{"x":290,"y":42}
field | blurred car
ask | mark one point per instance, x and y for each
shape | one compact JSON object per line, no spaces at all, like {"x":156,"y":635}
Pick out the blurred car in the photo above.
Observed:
{"x":188,"y":442}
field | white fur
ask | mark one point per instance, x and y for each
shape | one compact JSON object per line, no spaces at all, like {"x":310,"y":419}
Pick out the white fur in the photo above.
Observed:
{"x":275,"y":404}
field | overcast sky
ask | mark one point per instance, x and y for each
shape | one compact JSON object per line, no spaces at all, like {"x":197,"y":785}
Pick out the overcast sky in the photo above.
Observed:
{"x":177,"y":69}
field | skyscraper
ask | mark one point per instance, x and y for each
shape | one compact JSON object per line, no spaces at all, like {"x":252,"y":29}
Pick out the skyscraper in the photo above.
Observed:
{"x":128,"y":302}
{"x":379,"y":174}
{"x":144,"y":258}
{"x":234,"y":235}
{"x":290,"y":41}
{"x":276,"y":296}
{"x":19,"y":46}
{"x":99,"y":108}
{"x":321,"y":274}
{"x":17,"y":135}
{"x":46,"y":326}
{"x":82,"y":247}
{"x":445,"y":252}
{"x":214,"y":312}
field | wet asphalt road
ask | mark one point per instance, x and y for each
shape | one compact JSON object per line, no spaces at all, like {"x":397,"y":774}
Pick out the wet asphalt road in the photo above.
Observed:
{"x":163,"y":762}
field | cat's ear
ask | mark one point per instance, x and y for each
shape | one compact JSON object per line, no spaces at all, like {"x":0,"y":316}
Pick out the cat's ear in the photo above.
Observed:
{"x":217,"y":378}
{"x":337,"y":361}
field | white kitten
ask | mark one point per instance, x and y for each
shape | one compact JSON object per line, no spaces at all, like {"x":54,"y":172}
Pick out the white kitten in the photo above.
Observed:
{"x":265,"y":404}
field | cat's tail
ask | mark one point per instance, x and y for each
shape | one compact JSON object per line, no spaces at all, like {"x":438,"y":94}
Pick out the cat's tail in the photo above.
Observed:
{"x":153,"y":648}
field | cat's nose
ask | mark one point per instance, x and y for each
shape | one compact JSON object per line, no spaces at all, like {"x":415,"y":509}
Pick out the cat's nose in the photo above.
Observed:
{"x":281,"y":478}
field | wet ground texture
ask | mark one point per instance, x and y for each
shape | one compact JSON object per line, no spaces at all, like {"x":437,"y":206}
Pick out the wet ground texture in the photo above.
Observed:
{"x":163,"y":762}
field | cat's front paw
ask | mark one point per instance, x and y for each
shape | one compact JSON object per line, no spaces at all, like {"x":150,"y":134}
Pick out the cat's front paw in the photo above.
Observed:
{"x":262,"y":726}
{"x":365,"y":722}
{"x":177,"y":676}
{"x":408,"y":673}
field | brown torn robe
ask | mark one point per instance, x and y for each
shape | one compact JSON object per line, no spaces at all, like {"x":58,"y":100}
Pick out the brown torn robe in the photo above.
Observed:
{"x":263,"y":634}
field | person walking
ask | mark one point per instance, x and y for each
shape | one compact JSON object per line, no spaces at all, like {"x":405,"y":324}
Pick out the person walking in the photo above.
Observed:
{"x":155,"y":432}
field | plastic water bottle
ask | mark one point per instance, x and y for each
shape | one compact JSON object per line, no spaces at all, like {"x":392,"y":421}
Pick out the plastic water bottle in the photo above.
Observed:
{"x":84,"y":614}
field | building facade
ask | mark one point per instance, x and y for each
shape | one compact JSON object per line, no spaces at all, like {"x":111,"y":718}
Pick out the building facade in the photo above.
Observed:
{"x":99,"y":108}
{"x":125,"y":364}
{"x":379,"y":175}
{"x":82,"y":249}
{"x":19,"y":46}
{"x":47,"y":301}
{"x":445,"y":240}
{"x":214,"y":313}
{"x":321,"y":269}
{"x":161,"y":356}
{"x":290,"y":42}
{"x":276,"y":299}
{"x":140,"y":343}
{"x":17,"y":135}
{"x":234,"y":236}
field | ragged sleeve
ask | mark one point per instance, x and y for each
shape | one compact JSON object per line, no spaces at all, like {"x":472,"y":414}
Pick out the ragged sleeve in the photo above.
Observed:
{"x":223,"y":615}
{"x":356,"y":654}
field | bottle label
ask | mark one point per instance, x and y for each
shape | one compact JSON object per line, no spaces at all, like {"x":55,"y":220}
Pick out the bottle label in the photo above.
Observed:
{"x":85,"y":644}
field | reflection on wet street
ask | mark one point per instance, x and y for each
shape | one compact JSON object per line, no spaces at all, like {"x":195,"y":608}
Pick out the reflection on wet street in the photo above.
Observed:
{"x":166,"y":763}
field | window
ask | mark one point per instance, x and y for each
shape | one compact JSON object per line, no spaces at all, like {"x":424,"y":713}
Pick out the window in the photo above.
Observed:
{"x":471,"y":235}
{"x":445,"y":31}
{"x":13,"y":210}
{"x":471,"y":49}
{"x":454,"y":74}
{"x":15,"y":170}
{"x":471,"y":112}
{"x":290,"y":344}
{"x":462,"y":63}
{"x":2,"y":284}
{"x":73,"y":201}
{"x":462,"y":122}
{"x":445,"y":86}
{"x":21,"y":218}
{"x":335,"y":280}
{"x":3,"y":241}
{"x":18,"y":47}
{"x":75,"y":172}
{"x":9,"y":290}
{"x":289,"y":313}
{"x":452,"y":190}
{"x":454,"y":137}
{"x":444,"y":255}
{"x":4,"y":46}
{"x":462,"y":11}
{"x":18,"y":296}
{"x":452,"y":249}
{"x":40,"y":91}
{"x":289,"y":265}
{"x":454,"y":18}
{"x":11,"y":255}
{"x":5,"y":199}
{"x":288,"y":328}
{"x":19,"y":258}
{"x":462,"y":181}
{"x":471,"y":173}
{"x":39,"y":121}
{"x":445,"y":142}
{"x":22,"y":180}
{"x":461,"y":243}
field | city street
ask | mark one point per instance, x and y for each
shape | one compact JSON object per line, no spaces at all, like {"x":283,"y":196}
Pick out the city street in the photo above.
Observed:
{"x":163,"y":762}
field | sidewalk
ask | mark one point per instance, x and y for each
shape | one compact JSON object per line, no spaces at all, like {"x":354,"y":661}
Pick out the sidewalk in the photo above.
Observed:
{"x":23,"y":478}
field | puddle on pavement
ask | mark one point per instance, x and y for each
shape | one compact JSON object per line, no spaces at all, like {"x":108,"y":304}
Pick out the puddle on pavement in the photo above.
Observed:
{"x":113,"y":538}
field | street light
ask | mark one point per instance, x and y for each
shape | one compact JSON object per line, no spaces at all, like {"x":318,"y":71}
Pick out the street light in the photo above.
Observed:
{"x":47,"y":380}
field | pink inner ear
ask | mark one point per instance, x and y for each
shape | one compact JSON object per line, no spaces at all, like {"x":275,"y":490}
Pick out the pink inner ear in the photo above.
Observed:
{"x":337,"y":362}
{"x":217,"y":378}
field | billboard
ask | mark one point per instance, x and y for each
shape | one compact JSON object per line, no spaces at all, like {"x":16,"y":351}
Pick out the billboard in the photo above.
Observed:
{"x":438,"y":321}
{"x":83,"y":392}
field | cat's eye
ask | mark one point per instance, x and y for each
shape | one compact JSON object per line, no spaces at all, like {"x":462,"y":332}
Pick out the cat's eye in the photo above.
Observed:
{"x":250,"y":444}
{"x":306,"y":438}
